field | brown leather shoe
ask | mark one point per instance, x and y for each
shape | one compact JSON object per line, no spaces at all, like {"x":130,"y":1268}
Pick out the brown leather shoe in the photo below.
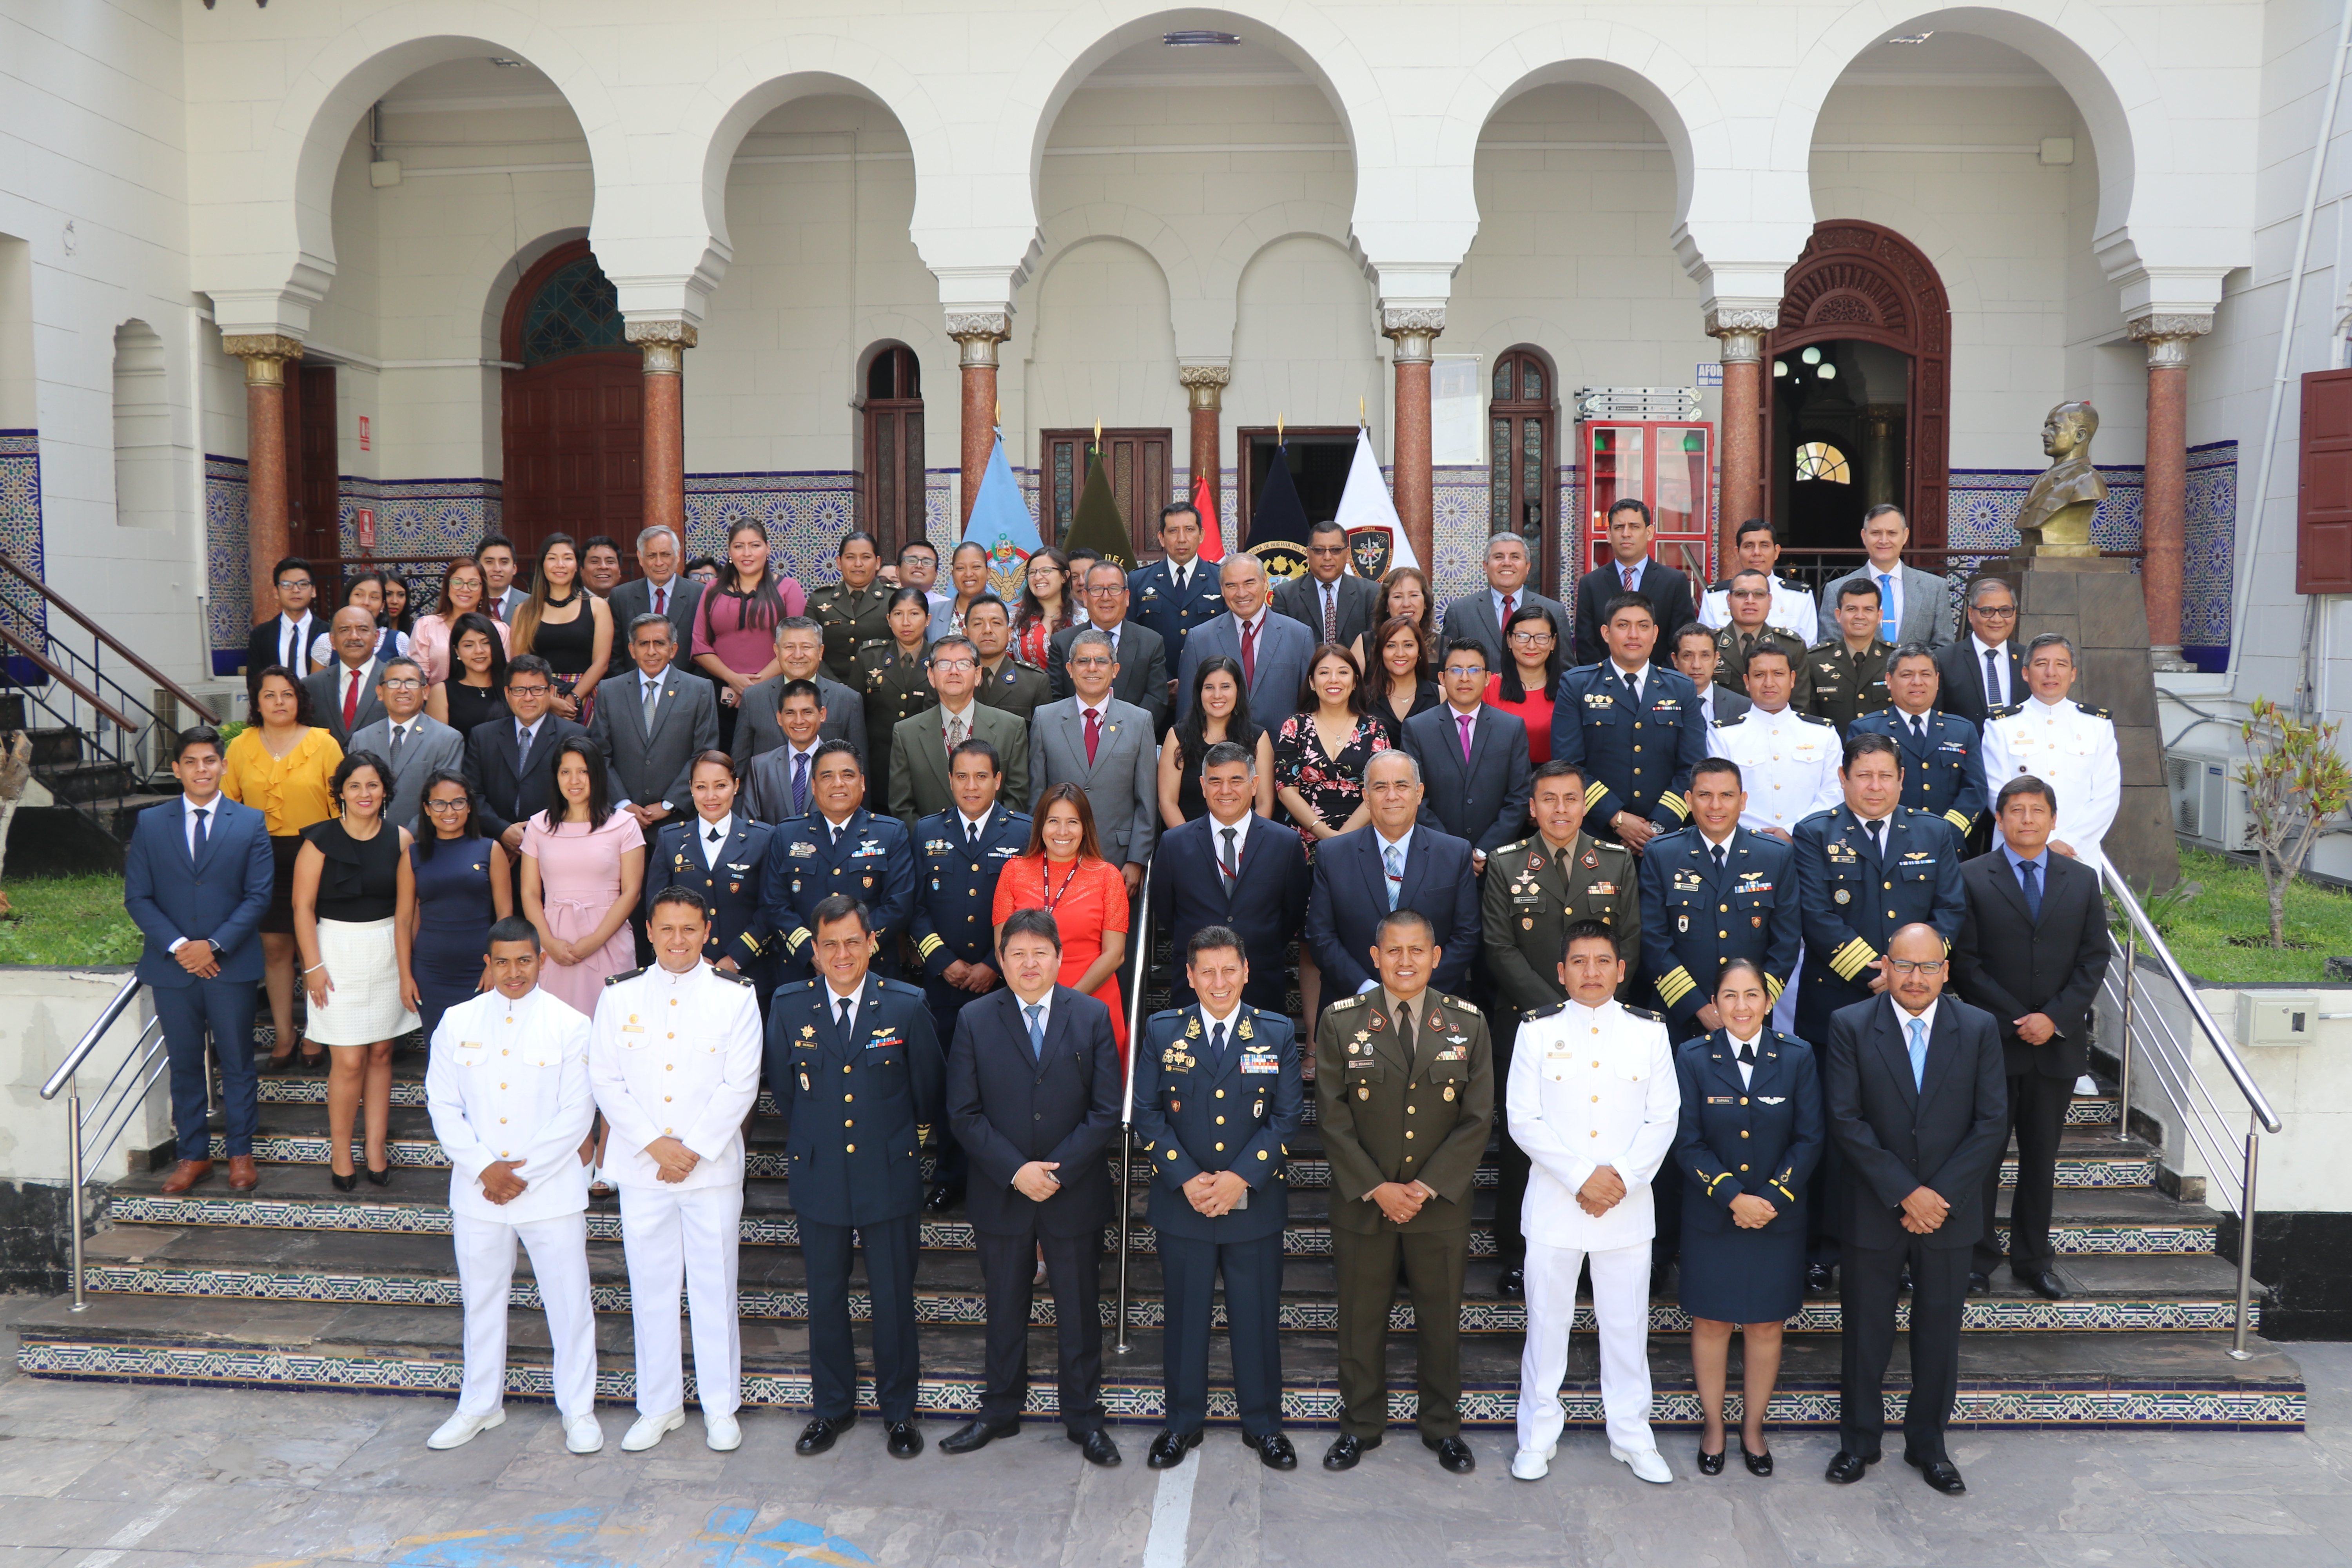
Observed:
{"x":242,"y":1176}
{"x":187,"y":1175}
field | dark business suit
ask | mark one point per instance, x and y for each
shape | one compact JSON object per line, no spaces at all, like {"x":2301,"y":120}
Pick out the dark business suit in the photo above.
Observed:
{"x":1263,"y":907}
{"x":1301,"y":598}
{"x":327,"y":702}
{"x":1962,"y":691}
{"x":757,"y":732}
{"x":218,"y":896}
{"x":1667,"y":590}
{"x":1351,"y":893}
{"x":1719,"y":702}
{"x":1472,"y":616}
{"x":2012,"y":962}
{"x":655,"y":766}
{"x":1943,"y":1133}
{"x":1482,"y":799}
{"x":1285,"y":649}
{"x":507,"y":787}
{"x":1007,"y":1106}
{"x":1142,"y":678}
{"x":635,"y":598}
{"x":267,"y":647}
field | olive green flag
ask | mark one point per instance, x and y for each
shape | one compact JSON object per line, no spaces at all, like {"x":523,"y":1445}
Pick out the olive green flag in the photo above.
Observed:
{"x":1097,"y":525}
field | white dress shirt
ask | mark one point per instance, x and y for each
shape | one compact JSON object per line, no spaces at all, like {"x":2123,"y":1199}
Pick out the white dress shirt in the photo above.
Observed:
{"x":658,"y":595}
{"x":711,"y":846}
{"x":1890,"y":593}
{"x":675,"y":1056}
{"x":1044,"y":1005}
{"x":1592,"y":1087}
{"x":965,"y":713}
{"x":1618,"y":672}
{"x":1403,"y":847}
{"x":1791,"y":610}
{"x":833,"y":1001}
{"x":188,"y":809}
{"x":508,"y":1080}
{"x":294,"y":640}
{"x":1754,"y":1046}
{"x":1997,"y":690}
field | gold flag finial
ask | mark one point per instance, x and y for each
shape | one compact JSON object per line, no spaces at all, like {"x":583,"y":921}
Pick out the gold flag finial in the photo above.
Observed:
{"x":1359,"y":413}
{"x":1000,"y":412}
{"x":1277,"y":429}
{"x":1097,"y":432}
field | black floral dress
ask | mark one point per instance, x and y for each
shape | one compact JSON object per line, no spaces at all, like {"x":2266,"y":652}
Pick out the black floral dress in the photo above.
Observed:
{"x":1332,"y":786}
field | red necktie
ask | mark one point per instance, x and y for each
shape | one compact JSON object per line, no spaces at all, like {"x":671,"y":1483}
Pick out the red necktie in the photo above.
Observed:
{"x":351,"y":699}
{"x":661,"y":601}
{"x":1507,"y":603}
{"x":1249,"y":654}
{"x":1331,"y":613}
{"x":1094,"y":734}
{"x":1628,"y":574}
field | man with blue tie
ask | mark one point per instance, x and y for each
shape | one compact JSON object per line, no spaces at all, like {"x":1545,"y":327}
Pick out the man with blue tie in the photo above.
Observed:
{"x":1394,"y":862}
{"x":838,"y":847}
{"x":1232,"y":868}
{"x":1631,"y":727}
{"x":196,"y":882}
{"x":1943,"y":762}
{"x":1179,"y":591}
{"x":1913,"y":605}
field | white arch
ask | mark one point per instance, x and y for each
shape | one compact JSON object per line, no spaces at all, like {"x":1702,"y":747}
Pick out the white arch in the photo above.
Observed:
{"x":1194,"y":317}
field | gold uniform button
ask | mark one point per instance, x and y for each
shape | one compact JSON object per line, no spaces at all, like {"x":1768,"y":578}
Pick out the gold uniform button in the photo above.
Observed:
{"x":844,"y":1070}
{"x":668,"y":1068}
{"x":673,"y":1034}
{"x":1723,"y":909}
{"x":848,"y":1123}
{"x":1594,"y":1133}
{"x":502,"y":1122}
{"x":1408,"y":1110}
{"x":1596,"y":1099}
{"x":852,"y":1149}
{"x":1743,"y":1099}
{"x":1221,"y":1121}
{"x":665,"y":1100}
{"x":847,"y":1098}
{"x":1221,"y":1094}
{"x":1408,"y":1132}
{"x":1743,"y":1132}
{"x":1221,"y":1148}
{"x":1743,"y":1167}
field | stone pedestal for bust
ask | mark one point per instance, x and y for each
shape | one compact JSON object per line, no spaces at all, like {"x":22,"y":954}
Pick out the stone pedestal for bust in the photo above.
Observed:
{"x":2099,"y":607}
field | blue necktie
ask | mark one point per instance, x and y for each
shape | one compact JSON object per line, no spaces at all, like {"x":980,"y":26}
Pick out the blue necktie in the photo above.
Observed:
{"x":197,"y":852}
{"x":1886,"y":606}
{"x":1395,"y":861}
{"x":800,"y":784}
{"x":2032,"y":886}
{"x":1036,"y":1030}
{"x":1918,"y":1052}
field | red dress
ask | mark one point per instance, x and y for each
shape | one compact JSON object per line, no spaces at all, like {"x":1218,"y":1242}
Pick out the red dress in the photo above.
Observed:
{"x":1535,"y":712}
{"x":1087,"y":899}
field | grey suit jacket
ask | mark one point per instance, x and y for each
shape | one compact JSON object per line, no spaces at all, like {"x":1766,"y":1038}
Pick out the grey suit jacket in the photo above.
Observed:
{"x":755,"y":722}
{"x":1301,"y":598}
{"x":1927,"y":606}
{"x":431,"y":747}
{"x":1721,"y":702}
{"x":328,"y":709}
{"x":1473,"y":616}
{"x":635,"y":598}
{"x":655,"y":766}
{"x":1123,"y":784}
{"x":767,"y":794}
{"x":919,"y":759}
{"x":1285,"y":649}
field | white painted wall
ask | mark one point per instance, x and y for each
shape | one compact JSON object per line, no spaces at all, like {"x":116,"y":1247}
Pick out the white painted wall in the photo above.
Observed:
{"x":42,"y":1012}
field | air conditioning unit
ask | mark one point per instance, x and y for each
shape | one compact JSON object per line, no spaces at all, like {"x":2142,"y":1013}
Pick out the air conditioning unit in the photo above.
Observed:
{"x":2209,"y":803}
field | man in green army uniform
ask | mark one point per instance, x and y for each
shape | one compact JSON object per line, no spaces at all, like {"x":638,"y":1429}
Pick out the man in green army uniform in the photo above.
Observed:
{"x":1750,"y":599}
{"x":1405,"y":1092}
{"x":854,"y":614}
{"x":1845,"y":677}
{"x":1535,"y":889}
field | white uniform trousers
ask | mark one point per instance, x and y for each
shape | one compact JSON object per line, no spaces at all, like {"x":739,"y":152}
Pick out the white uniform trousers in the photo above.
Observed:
{"x":1620,"y":1301}
{"x":558,"y":1261}
{"x":695,"y":1234}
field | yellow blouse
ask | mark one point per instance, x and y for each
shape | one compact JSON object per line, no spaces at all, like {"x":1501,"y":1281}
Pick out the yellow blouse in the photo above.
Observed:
{"x":291,"y":792}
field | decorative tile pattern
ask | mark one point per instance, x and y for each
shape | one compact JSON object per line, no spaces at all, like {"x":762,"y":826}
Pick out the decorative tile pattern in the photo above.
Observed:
{"x":229,"y":561}
{"x":27,"y":614}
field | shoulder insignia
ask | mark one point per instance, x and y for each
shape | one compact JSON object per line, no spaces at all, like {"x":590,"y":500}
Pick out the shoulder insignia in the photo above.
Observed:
{"x":1515,"y":848}
{"x":616,"y":979}
{"x":1815,"y":718}
{"x":1343,"y":1004}
{"x":1179,"y":1012}
{"x":792,"y":987}
{"x":1644,"y":1013}
{"x":1728,"y":723}
{"x":738,"y":979}
{"x":2009,"y":711}
{"x":900,"y":988}
{"x":2094,"y":712}
{"x":1533,"y":1014}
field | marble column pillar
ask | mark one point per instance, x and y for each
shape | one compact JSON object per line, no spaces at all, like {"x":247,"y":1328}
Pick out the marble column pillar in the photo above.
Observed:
{"x":1414,"y":329}
{"x":1204,"y":393}
{"x":664,"y":342}
{"x":1740,"y":331}
{"x":2163,"y":497}
{"x":978,"y":332}
{"x":266,"y":357}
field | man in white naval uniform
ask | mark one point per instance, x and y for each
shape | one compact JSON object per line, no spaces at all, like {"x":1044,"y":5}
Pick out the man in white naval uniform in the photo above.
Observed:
{"x":674,"y":1057}
{"x":1793,"y":609}
{"x":508,"y":1088}
{"x":1787,"y":760}
{"x":1594,"y":1101}
{"x":2067,"y":746}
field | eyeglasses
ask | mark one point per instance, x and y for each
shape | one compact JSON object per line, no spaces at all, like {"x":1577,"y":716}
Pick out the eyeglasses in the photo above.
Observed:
{"x":403,"y":685}
{"x":441,"y":807}
{"x":1916,"y":965}
{"x":1106,"y":588}
{"x":1529,"y":640}
{"x":1094,"y":662}
{"x":1326,"y":550}
{"x":1994,"y":612}
{"x":955,"y":664}
{"x":529,"y":690}
{"x":290,"y":583}
{"x":1466,"y":672}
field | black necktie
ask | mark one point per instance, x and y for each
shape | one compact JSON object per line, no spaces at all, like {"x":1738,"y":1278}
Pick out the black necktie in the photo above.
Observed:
{"x":1217,"y":1049}
{"x":1404,"y":1036}
{"x":847,"y":1003}
{"x":202,"y":812}
{"x":1877,"y":841}
{"x":1993,"y":676}
{"x":971,"y":833}
{"x":1918,"y":728}
{"x":1718,"y":859}
{"x":1748,"y":1055}
{"x":2025,"y":869}
{"x":1230,"y":866}
{"x":1633,"y":688}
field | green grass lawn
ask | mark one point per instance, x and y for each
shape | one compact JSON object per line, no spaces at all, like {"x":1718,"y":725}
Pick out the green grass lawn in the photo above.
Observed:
{"x":66,"y":920}
{"x":2234,"y":904}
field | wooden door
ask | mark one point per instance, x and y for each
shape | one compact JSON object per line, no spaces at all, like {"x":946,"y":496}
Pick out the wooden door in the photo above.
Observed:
{"x":313,"y":489}
{"x":1136,"y":463}
{"x":1523,"y":460}
{"x":2323,"y":515}
{"x":574,"y":415}
{"x":893,"y":490}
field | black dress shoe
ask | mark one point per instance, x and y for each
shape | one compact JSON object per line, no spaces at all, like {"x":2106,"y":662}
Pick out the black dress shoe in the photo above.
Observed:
{"x":1095,"y":1445}
{"x":1847,"y":1467}
{"x":1940,"y":1473}
{"x":1514,"y":1282}
{"x":1758,"y":1464}
{"x":2042,"y":1282}
{"x":906,"y":1439}
{"x":1168,"y":1449}
{"x":942,"y":1199}
{"x":1453,"y":1452}
{"x":1817,"y":1276}
{"x":343,"y":1184}
{"x":974,"y":1436}
{"x":819,"y":1434}
{"x":1345,"y":1451}
{"x":1977,"y":1283}
{"x":1711,"y":1464}
{"x":1274,"y":1450}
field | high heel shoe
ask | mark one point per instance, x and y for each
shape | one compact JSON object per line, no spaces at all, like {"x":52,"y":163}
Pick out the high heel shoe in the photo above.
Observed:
{"x":1758,"y":1464}
{"x":1711,"y":1464}
{"x":344,"y":1183}
{"x":380,"y":1178}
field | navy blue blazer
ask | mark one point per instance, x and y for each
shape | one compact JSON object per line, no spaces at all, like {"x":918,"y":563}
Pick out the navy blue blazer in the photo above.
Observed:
{"x":853,"y":1106}
{"x":1179,"y":1100}
{"x":738,"y":927}
{"x":1008,"y":1107}
{"x":1762,"y":1138}
{"x":1694,"y":921}
{"x":1153,"y":600}
{"x":1943,"y":773}
{"x":1483,"y":799}
{"x":1351,"y":893}
{"x":1266,"y":908}
{"x":1639,"y":762}
{"x":219,"y":896}
{"x":1853,"y":902}
{"x":872,"y":862}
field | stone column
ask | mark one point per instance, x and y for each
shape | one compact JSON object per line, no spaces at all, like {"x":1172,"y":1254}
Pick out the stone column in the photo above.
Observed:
{"x":664,"y":342}
{"x":1205,"y":392}
{"x":1414,"y":329}
{"x":1740,"y":331}
{"x":266,"y":357}
{"x":979,"y":332}
{"x":2164,"y":502}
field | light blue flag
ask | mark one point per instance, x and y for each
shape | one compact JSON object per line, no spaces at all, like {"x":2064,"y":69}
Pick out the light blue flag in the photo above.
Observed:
{"x":1002,"y":524}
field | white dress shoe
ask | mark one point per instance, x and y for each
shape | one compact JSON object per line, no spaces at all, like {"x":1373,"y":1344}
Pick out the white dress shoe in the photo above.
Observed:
{"x":722,"y":1433}
{"x":583,"y":1434}
{"x":648,"y":1430}
{"x":461,"y":1429}
{"x":1644,"y":1462}
{"x":1531,"y":1464}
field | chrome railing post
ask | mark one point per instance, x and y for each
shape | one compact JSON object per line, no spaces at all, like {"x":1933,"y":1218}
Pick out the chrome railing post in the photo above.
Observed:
{"x":2246,"y":1239}
{"x":1142,"y":924}
{"x":2123,"y":1047}
{"x":73,"y":1182}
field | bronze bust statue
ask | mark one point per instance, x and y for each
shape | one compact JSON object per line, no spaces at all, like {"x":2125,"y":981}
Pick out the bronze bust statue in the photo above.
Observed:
{"x":2055,"y":518}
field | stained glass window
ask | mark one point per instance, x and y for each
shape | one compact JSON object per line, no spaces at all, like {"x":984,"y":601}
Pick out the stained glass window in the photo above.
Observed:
{"x":1820,"y":460}
{"x":575,"y":311}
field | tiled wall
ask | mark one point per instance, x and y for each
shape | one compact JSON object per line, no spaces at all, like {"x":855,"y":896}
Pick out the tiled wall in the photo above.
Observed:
{"x":20,"y":524}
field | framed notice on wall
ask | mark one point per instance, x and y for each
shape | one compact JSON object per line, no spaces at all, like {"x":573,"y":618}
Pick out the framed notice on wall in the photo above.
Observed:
{"x":1456,"y":414}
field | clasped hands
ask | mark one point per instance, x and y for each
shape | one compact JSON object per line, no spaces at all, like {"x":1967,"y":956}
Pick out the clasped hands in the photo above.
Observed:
{"x":1603,"y":1191}
{"x":674,"y":1160}
{"x":1924,"y":1211}
{"x":972,"y":978}
{"x":1215,"y":1192}
{"x":1037,"y":1182}
{"x":1401,"y":1201}
{"x":499,"y":1182}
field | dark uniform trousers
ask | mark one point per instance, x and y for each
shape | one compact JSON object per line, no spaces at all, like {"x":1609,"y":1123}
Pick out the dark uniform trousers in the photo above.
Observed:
{"x":1528,"y":900}
{"x":1391,"y":1111}
{"x":854,"y":1173}
{"x":1194,"y":1114}
{"x":955,"y":893}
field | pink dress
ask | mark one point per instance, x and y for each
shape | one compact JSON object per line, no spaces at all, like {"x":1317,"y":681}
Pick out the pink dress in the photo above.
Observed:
{"x":579,"y":879}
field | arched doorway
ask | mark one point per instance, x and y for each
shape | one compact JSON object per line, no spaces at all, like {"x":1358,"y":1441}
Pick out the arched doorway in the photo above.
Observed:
{"x":1858,"y":390}
{"x":1523,"y":459}
{"x":892,"y":482}
{"x":574,"y":412}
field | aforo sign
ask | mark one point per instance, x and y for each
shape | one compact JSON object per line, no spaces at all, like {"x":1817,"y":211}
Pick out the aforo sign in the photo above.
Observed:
{"x":363,"y":524}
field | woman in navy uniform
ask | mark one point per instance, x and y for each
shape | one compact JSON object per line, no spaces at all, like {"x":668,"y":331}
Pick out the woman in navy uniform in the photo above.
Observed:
{"x":1751,"y":1131}
{"x":727,"y":872}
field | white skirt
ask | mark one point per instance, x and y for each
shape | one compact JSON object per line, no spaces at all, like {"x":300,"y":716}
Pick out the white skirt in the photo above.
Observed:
{"x":364,"y":1007}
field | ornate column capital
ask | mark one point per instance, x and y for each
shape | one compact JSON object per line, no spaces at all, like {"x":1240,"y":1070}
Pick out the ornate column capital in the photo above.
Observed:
{"x":1413,"y":329}
{"x":2167,"y":334}
{"x":979,"y":332}
{"x":1740,"y":330}
{"x":1204,"y":385}
{"x":663,"y":341}
{"x":265,"y":354}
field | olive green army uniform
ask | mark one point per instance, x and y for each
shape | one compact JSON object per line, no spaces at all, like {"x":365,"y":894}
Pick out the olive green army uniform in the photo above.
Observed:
{"x":1732,"y":648}
{"x":854,"y":620}
{"x":895,"y":688}
{"x":1841,"y":686}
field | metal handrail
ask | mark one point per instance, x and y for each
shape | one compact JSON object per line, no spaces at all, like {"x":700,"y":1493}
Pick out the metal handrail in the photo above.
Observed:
{"x":54,"y":672}
{"x":113,"y":1110}
{"x":179,"y":695}
{"x":2255,"y":1099}
{"x":1126,"y":1094}
{"x":89,"y":1042}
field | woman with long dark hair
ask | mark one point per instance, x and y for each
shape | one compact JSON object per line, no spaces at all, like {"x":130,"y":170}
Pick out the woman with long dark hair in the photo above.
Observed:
{"x":463,"y":588}
{"x":462,"y":886}
{"x":1404,"y":592}
{"x":583,"y":865}
{"x":1400,"y":683}
{"x":396,"y":612}
{"x":735,"y":625}
{"x":567,"y":626}
{"x":476,"y":691}
{"x":1219,"y":712}
{"x":1318,"y":766}
{"x":367,"y":591}
{"x":1532,"y":660}
{"x":283,"y":766}
{"x":1063,"y":873}
{"x":1046,"y":607}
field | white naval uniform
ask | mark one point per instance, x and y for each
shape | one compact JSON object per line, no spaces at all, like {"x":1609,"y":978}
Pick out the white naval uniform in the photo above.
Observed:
{"x":1591,"y":1086}
{"x":2072,"y":749}
{"x":508,"y":1080}
{"x":679,"y":1056}
{"x":1793,"y":611}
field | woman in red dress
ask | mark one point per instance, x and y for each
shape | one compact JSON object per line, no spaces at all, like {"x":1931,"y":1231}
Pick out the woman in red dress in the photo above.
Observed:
{"x":1064,"y":872}
{"x":1532,"y":662}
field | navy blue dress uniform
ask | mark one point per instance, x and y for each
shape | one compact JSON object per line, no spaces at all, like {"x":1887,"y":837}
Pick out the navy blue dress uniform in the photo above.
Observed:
{"x":871,"y":860}
{"x":1943,"y":763}
{"x":1194,"y":1113}
{"x":1696,"y":918}
{"x":1760,"y":1135}
{"x":856,"y":1103}
{"x":1636,"y":757}
{"x":955,"y":893}
{"x":729,"y":886}
{"x":1154,"y":600}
